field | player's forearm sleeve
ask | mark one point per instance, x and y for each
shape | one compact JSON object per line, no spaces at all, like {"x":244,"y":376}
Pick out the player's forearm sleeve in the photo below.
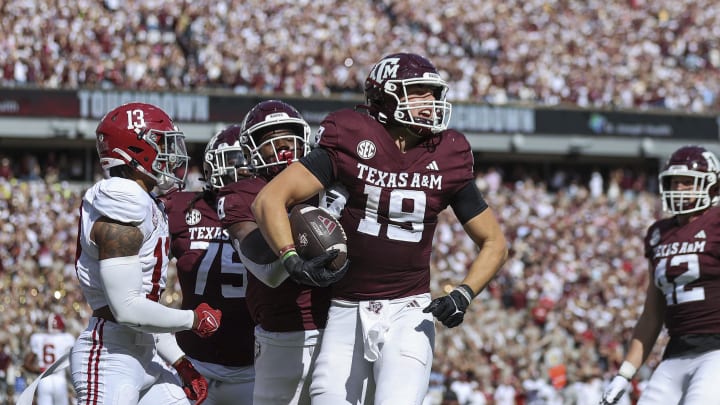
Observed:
{"x":271,"y":274}
{"x":167,"y":347}
{"x":122,"y":279}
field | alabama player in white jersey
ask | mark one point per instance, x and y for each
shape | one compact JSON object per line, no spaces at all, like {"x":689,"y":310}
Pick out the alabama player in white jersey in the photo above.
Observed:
{"x":45,"y":348}
{"x":122,"y":256}
{"x":683,"y":292}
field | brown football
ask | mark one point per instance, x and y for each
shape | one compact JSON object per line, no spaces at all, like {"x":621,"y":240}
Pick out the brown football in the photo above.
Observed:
{"x":316,"y":231}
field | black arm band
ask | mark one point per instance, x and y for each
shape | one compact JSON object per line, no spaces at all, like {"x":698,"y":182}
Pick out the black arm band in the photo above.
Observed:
{"x":319,"y":163}
{"x":468,"y":202}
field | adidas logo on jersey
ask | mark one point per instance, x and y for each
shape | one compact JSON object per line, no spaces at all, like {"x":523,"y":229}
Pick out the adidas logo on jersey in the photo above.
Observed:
{"x":700,"y":235}
{"x":432,"y":166}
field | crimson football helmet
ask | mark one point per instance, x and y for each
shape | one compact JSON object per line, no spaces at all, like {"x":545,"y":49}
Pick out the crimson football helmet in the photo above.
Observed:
{"x":386,"y":92}
{"x":276,"y":135}
{"x":143,"y":137}
{"x":702,"y":167}
{"x":225,"y":158}
{"x":55,"y":324}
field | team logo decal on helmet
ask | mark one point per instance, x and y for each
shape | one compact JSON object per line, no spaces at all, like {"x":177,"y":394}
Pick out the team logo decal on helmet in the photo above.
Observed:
{"x":385,"y":69}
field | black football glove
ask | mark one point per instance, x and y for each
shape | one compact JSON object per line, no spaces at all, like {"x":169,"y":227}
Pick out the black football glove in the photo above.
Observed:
{"x":450,"y":309}
{"x":313,"y":272}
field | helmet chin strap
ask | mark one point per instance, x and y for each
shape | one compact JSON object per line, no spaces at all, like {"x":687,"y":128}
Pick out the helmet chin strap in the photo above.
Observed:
{"x":418,"y":131}
{"x":133,"y":164}
{"x":412,"y":133}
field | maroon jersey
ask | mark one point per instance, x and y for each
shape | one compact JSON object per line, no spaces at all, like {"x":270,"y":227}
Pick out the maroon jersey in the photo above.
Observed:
{"x":288,"y":307}
{"x":685,"y":262}
{"x":393,"y":204}
{"x":209,"y":270}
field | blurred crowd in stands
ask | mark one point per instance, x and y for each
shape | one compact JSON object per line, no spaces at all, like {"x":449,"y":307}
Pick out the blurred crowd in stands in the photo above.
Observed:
{"x":551,"y":327}
{"x":603,"y":53}
{"x":549,"y":330}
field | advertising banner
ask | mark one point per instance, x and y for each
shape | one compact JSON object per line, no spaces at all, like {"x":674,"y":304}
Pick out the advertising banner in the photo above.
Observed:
{"x":469,"y":118}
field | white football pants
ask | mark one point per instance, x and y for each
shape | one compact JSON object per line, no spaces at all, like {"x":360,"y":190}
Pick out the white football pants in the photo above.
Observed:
{"x":112,"y":364}
{"x":53,"y":390}
{"x":377,"y":352}
{"x":284,"y":362}
{"x":688,"y":380}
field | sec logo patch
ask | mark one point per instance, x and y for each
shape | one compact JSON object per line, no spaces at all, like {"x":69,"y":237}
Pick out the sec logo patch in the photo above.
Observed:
{"x":655,"y":237}
{"x":193,"y":217}
{"x":366,"y":149}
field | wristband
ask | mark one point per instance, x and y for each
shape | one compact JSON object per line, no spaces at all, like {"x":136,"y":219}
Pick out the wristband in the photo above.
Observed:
{"x":286,"y":249}
{"x":287,"y":254}
{"x":466,"y":292}
{"x":627,"y":370}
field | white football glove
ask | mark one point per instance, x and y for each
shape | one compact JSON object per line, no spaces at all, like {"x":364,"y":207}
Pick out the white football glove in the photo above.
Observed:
{"x":615,"y":390}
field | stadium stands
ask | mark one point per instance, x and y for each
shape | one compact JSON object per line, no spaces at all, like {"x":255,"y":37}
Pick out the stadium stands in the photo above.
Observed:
{"x":615,"y":54}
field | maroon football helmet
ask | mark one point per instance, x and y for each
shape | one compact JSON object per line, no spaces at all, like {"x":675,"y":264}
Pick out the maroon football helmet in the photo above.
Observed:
{"x":225,"y":159}
{"x":702,"y":167}
{"x":386,"y":92}
{"x":55,"y":324}
{"x":276,"y":135}
{"x":143,"y":137}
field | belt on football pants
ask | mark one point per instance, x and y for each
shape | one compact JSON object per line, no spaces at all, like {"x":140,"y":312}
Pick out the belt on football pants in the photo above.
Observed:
{"x":104,"y":313}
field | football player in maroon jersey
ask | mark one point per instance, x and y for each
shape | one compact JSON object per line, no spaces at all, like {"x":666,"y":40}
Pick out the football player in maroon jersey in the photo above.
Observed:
{"x":684,"y":291}
{"x":210,"y":271}
{"x":401,"y":167}
{"x":122,"y":257}
{"x":290,"y":309}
